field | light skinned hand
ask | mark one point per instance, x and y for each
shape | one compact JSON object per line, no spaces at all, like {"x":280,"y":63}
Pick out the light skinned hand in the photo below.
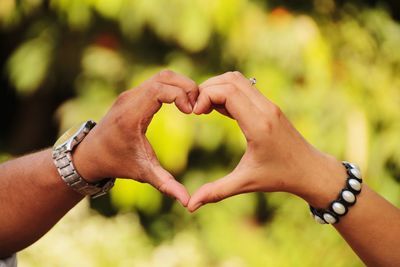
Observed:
{"x":118,"y":147}
{"x":277,"y":157}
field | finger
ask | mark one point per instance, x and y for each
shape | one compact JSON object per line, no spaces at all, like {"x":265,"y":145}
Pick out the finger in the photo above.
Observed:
{"x":164,"y":93}
{"x":233,"y":184}
{"x":172,"y":78}
{"x":242,"y":83}
{"x":165,"y":183}
{"x":220,"y":108}
{"x":234,"y":101}
{"x":219,"y":79}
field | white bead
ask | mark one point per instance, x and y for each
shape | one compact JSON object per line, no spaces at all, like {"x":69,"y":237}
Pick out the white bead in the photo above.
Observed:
{"x":348,"y":196}
{"x":339,"y":208}
{"x":319,"y":219}
{"x":329,"y":218}
{"x":356,"y":173}
{"x":354,"y":166}
{"x":356,"y":185}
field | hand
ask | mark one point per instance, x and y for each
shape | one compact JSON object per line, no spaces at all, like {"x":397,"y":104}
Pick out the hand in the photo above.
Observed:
{"x":118,"y":147}
{"x":277,"y":157}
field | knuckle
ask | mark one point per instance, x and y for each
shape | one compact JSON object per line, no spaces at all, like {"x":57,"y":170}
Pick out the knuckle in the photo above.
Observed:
{"x":238,"y":74}
{"x":193,"y":87}
{"x":231,"y":89}
{"x":215,"y":195}
{"x":192,"y":84}
{"x":166,"y":74}
{"x":155,"y":88}
{"x":162,"y":183}
{"x":271,"y":119}
{"x":205,"y":93}
{"x":276,"y":112}
{"x":123,"y":97}
{"x":267,"y":125}
{"x":231,"y":75}
{"x":234,"y":75}
{"x":181,"y":93}
{"x":163,"y":188}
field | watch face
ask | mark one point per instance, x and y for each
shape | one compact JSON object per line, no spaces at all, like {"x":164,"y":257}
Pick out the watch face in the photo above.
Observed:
{"x":67,"y":135}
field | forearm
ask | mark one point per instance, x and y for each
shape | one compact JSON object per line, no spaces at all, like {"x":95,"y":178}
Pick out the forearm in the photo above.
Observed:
{"x":33,"y":198}
{"x":371,"y":227}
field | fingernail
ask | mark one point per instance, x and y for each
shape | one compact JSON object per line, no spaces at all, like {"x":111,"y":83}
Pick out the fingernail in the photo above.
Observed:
{"x":184,"y":204}
{"x":182,"y":200}
{"x":198,"y":205}
{"x":190,"y":107}
{"x":194,"y":108}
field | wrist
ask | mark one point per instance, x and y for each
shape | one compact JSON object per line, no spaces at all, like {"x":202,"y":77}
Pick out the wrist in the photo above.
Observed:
{"x":85,"y":159}
{"x":324,"y":180}
{"x":72,"y":170}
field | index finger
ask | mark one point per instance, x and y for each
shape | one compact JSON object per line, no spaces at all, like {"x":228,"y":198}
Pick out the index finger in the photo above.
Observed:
{"x":170,"y":77}
{"x":235,"y":102}
{"x":243,"y":84}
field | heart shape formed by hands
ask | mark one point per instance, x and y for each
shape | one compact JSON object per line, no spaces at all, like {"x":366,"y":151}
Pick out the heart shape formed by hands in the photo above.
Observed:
{"x":277,"y":157}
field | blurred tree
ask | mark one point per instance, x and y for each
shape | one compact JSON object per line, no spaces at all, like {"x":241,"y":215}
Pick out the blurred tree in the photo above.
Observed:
{"x":332,"y":66}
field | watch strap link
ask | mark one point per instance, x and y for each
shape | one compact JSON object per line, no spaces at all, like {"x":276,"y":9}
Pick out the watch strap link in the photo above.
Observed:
{"x":68,"y":172}
{"x":62,"y":157}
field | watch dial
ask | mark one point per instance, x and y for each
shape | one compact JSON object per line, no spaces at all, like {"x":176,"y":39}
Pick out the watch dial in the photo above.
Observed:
{"x":67,"y":135}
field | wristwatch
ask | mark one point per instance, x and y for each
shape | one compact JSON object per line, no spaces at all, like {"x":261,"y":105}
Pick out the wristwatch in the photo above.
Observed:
{"x":62,"y":157}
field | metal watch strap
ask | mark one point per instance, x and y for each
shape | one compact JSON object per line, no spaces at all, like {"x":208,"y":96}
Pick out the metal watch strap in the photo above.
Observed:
{"x":62,"y":157}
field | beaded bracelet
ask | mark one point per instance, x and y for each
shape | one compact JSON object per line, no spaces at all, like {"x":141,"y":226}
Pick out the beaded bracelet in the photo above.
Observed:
{"x":346,"y":198}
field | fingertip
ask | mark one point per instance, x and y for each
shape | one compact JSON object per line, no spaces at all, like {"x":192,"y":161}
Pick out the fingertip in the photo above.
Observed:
{"x":184,"y":201}
{"x":196,"y":109}
{"x":182,"y":195}
{"x":184,"y":107}
{"x":190,"y":107}
{"x":193,"y":95}
{"x":199,"y":198}
{"x":167,"y":184}
{"x":192,"y":211}
{"x":192,"y":208}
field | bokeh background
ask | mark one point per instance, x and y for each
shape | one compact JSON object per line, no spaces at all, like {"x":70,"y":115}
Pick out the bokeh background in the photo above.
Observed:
{"x":332,"y":66}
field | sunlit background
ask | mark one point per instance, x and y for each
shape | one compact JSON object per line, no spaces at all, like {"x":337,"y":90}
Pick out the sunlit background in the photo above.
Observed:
{"x":332,"y":66}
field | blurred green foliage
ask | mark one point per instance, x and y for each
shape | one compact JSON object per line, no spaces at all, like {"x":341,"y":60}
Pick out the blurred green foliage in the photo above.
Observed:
{"x":333,"y":69}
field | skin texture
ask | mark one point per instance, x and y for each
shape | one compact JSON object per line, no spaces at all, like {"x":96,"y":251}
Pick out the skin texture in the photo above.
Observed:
{"x":278,"y":158}
{"x":32,"y":195}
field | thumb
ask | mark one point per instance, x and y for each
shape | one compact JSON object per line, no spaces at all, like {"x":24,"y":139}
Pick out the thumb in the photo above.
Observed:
{"x":237,"y":182}
{"x":166,"y":183}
